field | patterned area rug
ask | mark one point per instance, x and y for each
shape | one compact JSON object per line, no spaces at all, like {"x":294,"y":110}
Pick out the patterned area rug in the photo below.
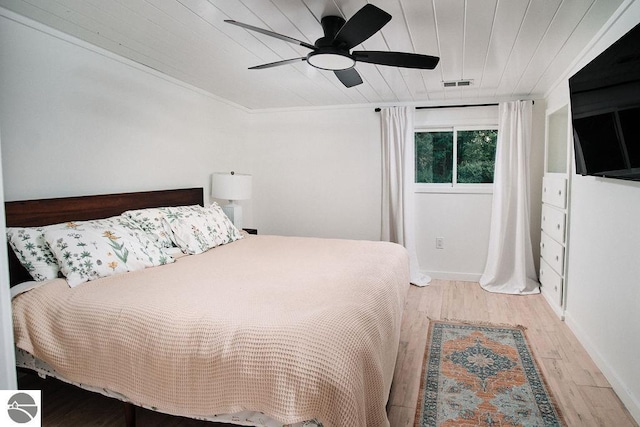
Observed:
{"x":476,"y":375}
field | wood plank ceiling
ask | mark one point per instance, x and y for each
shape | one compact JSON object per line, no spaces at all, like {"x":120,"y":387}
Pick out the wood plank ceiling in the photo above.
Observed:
{"x":508,"y":48}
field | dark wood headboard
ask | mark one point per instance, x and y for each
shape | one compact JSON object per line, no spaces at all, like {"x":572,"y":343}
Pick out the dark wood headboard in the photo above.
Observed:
{"x":33,"y":213}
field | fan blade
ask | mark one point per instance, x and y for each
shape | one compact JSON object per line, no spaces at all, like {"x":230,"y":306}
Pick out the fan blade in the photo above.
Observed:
{"x":365,"y":23}
{"x":348,"y":77}
{"x":278,"y":63}
{"x":270,"y":33}
{"x":397,"y":59}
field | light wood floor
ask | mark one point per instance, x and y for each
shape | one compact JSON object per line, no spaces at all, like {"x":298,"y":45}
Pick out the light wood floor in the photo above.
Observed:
{"x":583,"y":394}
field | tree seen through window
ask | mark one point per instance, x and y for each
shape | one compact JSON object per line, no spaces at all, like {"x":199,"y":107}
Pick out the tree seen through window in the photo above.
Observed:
{"x":434,"y":156}
{"x":476,"y":156}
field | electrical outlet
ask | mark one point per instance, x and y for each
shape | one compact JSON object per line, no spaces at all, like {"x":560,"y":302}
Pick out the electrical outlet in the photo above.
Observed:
{"x":439,"y":242}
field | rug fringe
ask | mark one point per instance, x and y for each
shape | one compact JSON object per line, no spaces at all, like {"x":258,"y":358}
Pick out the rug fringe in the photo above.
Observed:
{"x":480,"y":323}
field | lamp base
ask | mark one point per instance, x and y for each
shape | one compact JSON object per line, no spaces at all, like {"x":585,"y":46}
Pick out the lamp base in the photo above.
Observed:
{"x":234,"y":213}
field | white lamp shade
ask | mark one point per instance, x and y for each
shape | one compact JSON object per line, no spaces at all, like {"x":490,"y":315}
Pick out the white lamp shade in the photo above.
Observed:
{"x":231,"y":187}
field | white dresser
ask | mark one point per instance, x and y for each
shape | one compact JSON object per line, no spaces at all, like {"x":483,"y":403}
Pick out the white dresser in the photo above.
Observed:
{"x":555,"y":205}
{"x":553,"y":236}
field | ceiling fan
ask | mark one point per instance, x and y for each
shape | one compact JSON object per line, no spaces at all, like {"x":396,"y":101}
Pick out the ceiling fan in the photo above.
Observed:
{"x":332,"y":52}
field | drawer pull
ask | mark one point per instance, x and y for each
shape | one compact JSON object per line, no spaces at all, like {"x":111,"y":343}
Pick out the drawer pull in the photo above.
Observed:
{"x":542,"y":245}
{"x":544,"y":189}
{"x":555,"y":288}
{"x":558,"y":226}
{"x":557,"y":258}
{"x":559,"y":192}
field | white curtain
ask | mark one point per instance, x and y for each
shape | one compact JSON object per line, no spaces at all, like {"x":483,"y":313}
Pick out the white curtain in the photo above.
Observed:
{"x":397,"y":184}
{"x":510,"y":268}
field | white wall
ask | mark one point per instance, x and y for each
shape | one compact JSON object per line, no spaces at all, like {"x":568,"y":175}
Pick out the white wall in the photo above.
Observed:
{"x":77,"y":120}
{"x":7,"y":358}
{"x":316,"y":172}
{"x":462,"y":220}
{"x":603,"y":271}
{"x":603,"y":288}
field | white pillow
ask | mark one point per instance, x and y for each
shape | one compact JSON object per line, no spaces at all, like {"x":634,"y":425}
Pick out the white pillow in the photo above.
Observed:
{"x":33,"y":252}
{"x":197,"y":229}
{"x":93,"y":249}
{"x":152,"y":221}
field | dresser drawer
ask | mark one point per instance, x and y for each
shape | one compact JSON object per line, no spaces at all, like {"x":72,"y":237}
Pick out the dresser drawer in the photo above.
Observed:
{"x":554,"y":191}
{"x":551,"y":283}
{"x":553,"y":223}
{"x":552,"y":252}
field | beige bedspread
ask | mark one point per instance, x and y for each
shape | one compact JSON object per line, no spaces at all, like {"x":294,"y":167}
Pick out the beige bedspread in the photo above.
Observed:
{"x":297,"y":328}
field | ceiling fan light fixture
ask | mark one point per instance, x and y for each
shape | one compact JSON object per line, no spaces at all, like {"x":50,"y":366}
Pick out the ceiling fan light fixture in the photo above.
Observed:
{"x":332,"y":61}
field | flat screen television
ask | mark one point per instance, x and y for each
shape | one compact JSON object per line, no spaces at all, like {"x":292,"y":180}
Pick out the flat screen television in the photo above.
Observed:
{"x":605,"y":109}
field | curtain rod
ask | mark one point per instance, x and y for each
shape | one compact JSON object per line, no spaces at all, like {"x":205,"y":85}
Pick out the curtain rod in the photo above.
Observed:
{"x":377,"y":110}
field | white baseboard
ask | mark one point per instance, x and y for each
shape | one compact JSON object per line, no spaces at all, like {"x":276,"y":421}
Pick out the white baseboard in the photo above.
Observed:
{"x":449,"y":275}
{"x":618,"y":385}
{"x":555,"y":307}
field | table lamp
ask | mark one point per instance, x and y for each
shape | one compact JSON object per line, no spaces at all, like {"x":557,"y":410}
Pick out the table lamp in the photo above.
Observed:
{"x":231,"y":186}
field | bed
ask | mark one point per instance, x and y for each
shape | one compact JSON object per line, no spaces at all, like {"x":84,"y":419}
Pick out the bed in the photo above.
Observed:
{"x":264,"y":330}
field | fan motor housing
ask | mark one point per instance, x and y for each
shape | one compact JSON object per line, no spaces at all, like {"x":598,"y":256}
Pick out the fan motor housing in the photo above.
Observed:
{"x":330,"y":26}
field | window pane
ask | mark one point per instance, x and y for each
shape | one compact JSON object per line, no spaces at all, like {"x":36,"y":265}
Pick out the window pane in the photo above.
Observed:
{"x":476,"y":155}
{"x":434,"y":157}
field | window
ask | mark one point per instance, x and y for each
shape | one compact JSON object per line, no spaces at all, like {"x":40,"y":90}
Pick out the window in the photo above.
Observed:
{"x":441,"y":163}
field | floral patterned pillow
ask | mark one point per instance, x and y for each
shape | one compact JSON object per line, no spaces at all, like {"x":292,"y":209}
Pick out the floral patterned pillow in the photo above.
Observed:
{"x":93,"y":249}
{"x":152,"y":221}
{"x":232,"y":233}
{"x":197,"y":229}
{"x":33,"y":252}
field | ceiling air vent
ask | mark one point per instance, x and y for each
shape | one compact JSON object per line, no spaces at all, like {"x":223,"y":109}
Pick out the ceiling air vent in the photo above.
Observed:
{"x":457,"y":83}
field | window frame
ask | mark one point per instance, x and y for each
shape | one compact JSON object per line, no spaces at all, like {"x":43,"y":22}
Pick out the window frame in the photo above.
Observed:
{"x":452,"y":187}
